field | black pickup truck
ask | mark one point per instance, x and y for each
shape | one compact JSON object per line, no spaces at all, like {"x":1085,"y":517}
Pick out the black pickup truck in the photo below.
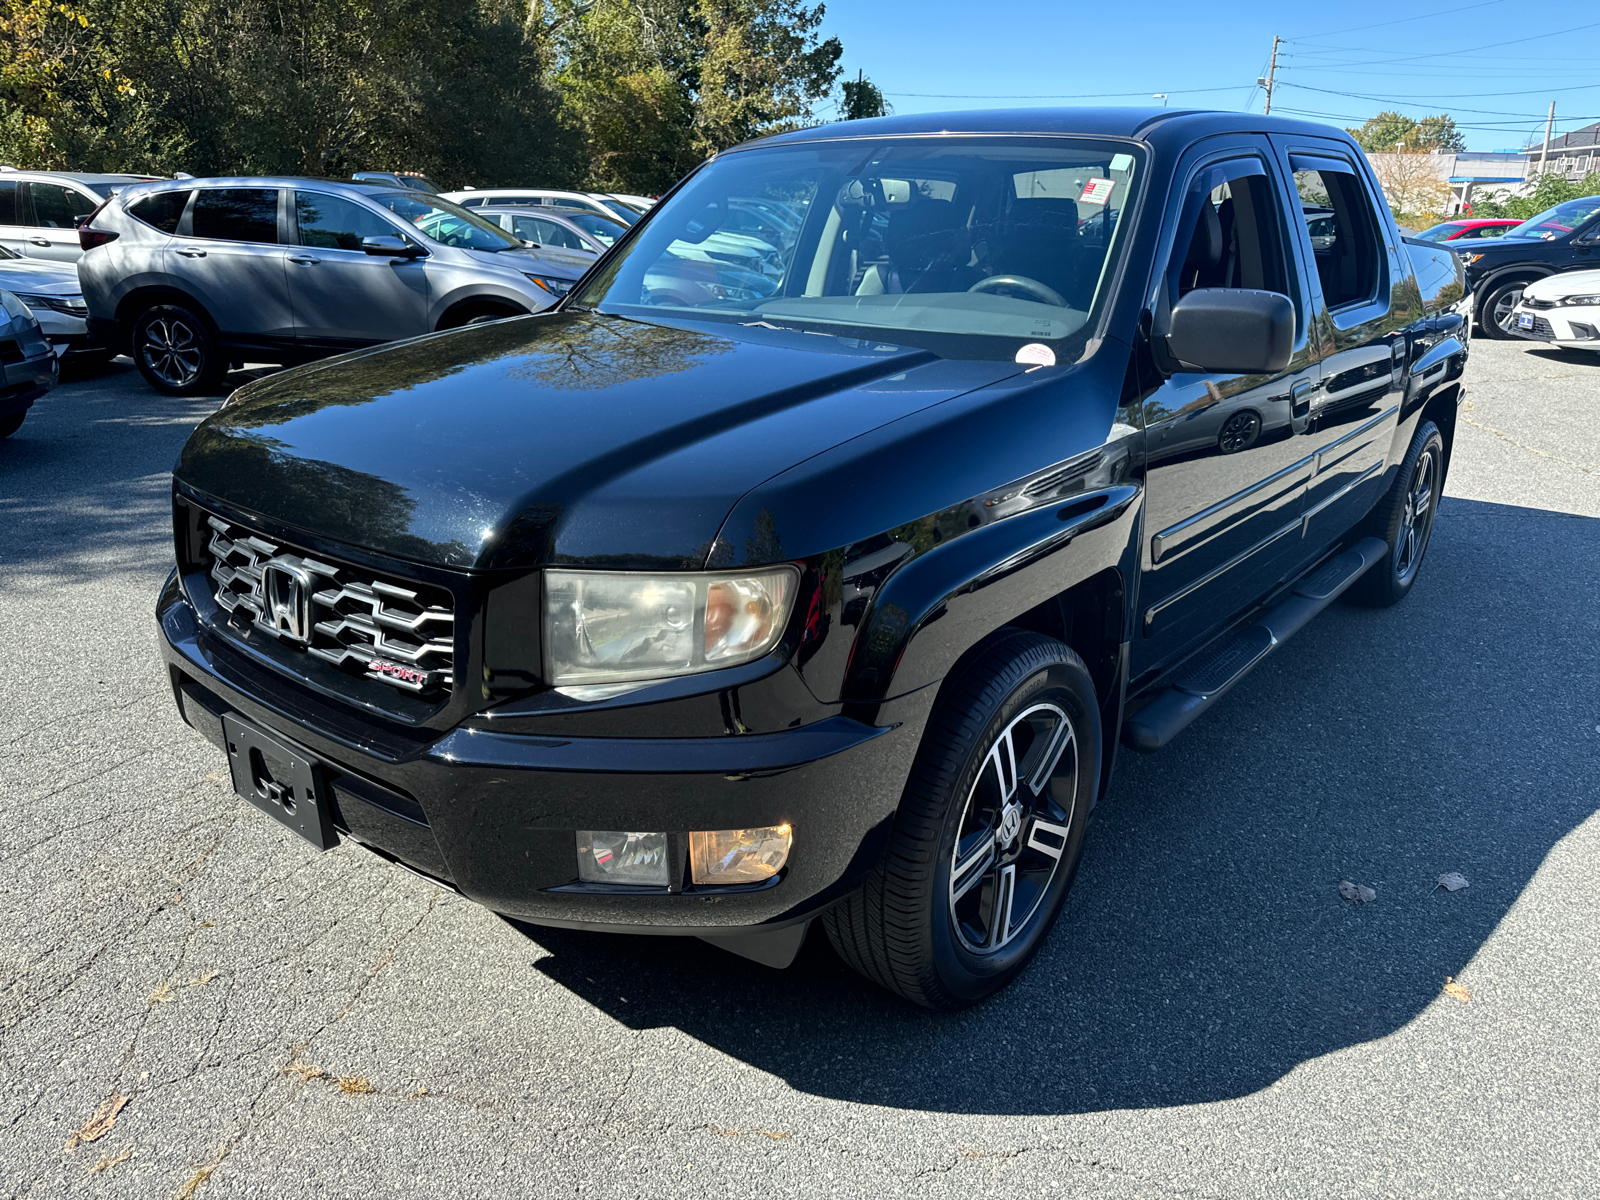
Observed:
{"x":818,"y":571}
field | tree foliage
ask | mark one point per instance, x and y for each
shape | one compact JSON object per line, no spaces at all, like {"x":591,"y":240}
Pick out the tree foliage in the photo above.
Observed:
{"x":1394,"y":131}
{"x":862,"y":99}
{"x":1550,"y":191}
{"x":613,"y":94}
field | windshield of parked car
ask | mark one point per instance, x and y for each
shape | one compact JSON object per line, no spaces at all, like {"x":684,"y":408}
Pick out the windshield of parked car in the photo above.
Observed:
{"x":5,"y":254}
{"x":618,"y":209}
{"x":445,"y":222}
{"x":972,"y":247}
{"x":1438,"y":233}
{"x":1554,"y":222}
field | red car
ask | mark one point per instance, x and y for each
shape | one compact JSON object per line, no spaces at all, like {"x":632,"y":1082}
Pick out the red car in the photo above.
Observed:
{"x":1468,"y":229}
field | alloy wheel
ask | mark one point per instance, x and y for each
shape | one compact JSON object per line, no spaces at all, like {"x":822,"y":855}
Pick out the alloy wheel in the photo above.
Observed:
{"x":1239,"y":432}
{"x":172,"y":351}
{"x":1503,"y":306}
{"x":1013,"y":830}
{"x":1416,"y":516}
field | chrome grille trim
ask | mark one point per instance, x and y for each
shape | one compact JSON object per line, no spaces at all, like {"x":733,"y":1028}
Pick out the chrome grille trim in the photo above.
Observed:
{"x":358,"y":620}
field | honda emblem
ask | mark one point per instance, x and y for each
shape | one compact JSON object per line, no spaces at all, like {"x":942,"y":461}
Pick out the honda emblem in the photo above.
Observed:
{"x":286,"y":600}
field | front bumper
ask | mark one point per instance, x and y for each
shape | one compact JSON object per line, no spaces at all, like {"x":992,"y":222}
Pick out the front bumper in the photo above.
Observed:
{"x":495,"y":814}
{"x":24,"y":381}
{"x":1574,"y":327}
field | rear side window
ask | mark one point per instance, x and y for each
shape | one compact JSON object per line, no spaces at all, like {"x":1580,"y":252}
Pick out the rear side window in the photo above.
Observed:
{"x":161,"y":210}
{"x":237,"y":214}
{"x":333,"y":223}
{"x":1344,"y":236}
{"x":546,"y":233}
{"x":8,"y":201}
{"x":472,"y":202}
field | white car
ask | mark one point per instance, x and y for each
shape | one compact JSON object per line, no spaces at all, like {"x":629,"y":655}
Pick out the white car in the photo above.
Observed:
{"x":545,"y":197}
{"x":51,"y":290}
{"x":1560,"y":310}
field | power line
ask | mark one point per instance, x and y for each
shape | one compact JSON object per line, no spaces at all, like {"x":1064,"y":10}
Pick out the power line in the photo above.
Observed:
{"x":1436,"y":97}
{"x":1235,"y":87}
{"x":1448,"y":12}
{"x":1409,"y":58}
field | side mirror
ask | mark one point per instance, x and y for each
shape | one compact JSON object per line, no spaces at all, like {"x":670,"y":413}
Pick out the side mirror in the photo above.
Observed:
{"x":387,"y":246}
{"x":1232,"y":329}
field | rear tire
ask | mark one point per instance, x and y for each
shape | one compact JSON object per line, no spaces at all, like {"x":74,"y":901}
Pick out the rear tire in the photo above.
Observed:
{"x":975,"y":874}
{"x":1404,"y":519}
{"x":175,"y":351}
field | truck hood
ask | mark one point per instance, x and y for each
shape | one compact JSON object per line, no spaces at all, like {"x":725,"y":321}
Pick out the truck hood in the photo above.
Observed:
{"x":558,"y":438}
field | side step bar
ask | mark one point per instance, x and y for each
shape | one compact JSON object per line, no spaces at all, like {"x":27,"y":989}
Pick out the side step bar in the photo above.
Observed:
{"x":1218,"y":669}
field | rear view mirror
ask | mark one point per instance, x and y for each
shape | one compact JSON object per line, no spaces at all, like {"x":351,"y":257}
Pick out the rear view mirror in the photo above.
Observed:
{"x":704,"y":223}
{"x":1232,"y":329}
{"x":389,"y":247}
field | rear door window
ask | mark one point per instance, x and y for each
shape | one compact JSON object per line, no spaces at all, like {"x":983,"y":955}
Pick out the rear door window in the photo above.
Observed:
{"x":58,"y":207}
{"x":334,"y":223}
{"x":162,"y":210}
{"x":546,"y":233}
{"x":1344,"y":233}
{"x":237,"y":214}
{"x":8,"y":201}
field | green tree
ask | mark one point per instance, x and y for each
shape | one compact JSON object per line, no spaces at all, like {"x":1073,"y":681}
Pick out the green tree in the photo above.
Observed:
{"x":1391,"y":130}
{"x":1550,"y":191}
{"x":862,"y":99}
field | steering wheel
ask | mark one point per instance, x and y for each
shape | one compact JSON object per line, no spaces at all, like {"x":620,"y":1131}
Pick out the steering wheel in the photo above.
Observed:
{"x":1022,"y":283}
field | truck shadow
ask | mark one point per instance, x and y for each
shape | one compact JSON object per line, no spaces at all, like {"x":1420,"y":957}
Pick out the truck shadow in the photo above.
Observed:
{"x":1205,"y":951}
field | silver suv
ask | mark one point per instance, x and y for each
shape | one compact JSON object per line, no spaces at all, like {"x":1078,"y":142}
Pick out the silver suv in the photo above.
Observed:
{"x":189,"y":275}
{"x":40,"y":210}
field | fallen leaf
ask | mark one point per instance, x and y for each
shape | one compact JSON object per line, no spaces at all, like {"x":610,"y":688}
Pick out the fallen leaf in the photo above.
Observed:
{"x":1452,"y":881}
{"x":305,"y":1072}
{"x":107,"y":1162}
{"x":1357,"y":893}
{"x":202,"y":980}
{"x":354,"y":1085}
{"x":100,"y":1124}
{"x":1456,"y":991}
{"x":162,"y":994}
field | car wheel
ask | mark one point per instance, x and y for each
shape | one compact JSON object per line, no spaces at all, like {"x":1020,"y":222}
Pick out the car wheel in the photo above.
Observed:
{"x":989,"y":831}
{"x":1239,"y":432}
{"x":175,"y":352}
{"x":1494,"y":318}
{"x":9,"y":425}
{"x":1404,"y":520}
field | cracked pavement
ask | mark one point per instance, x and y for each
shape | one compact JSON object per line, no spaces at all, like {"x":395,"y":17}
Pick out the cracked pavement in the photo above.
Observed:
{"x":1209,"y":1019}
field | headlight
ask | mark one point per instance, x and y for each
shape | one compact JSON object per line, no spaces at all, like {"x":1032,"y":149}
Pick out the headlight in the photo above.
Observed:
{"x":73,"y":306}
{"x":615,"y":626}
{"x":1585,"y":301}
{"x":556,"y":287}
{"x":1467,"y":258}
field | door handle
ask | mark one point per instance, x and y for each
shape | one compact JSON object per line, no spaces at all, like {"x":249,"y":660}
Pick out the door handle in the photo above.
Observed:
{"x":1300,"y":398}
{"x":304,"y":260}
{"x":192,"y":252}
{"x":38,"y":241}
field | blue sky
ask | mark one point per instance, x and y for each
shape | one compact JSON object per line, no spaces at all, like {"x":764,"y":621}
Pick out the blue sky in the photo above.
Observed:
{"x":1494,"y":65}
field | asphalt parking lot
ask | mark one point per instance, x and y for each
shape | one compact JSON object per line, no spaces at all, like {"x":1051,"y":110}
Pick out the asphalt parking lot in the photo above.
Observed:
{"x":232,"y":1015}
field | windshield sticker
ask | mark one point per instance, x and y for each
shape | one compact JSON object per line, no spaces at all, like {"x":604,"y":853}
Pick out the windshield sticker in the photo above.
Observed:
{"x":1097,"y":191}
{"x":1037,"y":355}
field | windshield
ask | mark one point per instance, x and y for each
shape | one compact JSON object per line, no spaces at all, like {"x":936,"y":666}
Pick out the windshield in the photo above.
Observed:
{"x":617,"y":208}
{"x":1438,"y":233}
{"x":971,"y":247}
{"x":445,"y":222}
{"x":5,"y":254}
{"x":1553,"y":222}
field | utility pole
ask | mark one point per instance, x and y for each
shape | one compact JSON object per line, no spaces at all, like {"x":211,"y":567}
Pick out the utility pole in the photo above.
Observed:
{"x":1549,"y":126}
{"x":1272,"y":71}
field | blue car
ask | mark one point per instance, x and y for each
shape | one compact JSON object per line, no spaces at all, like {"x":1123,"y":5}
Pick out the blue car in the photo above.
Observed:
{"x":27,"y":363}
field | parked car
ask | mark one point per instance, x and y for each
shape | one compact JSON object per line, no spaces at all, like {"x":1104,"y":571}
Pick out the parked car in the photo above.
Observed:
{"x":522,"y":197}
{"x":717,"y":613}
{"x":40,"y":210}
{"x":641,"y":203}
{"x":1561,"y":310}
{"x":404,"y":179}
{"x":1563,"y":238}
{"x":1468,"y":229}
{"x":189,"y":275}
{"x":27,"y":363}
{"x":577,"y":230}
{"x":52,"y":291}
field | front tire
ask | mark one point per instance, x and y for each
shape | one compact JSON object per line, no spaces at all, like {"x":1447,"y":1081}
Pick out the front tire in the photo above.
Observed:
{"x":989,"y":831}
{"x":175,"y":351}
{"x":1404,"y":519}
{"x":1494,"y":318}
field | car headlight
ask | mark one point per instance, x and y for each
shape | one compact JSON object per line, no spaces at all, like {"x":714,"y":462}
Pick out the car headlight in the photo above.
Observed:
{"x":1469,"y":258}
{"x":73,"y":306}
{"x":616,"y":626}
{"x":556,"y":287}
{"x":1585,"y":301}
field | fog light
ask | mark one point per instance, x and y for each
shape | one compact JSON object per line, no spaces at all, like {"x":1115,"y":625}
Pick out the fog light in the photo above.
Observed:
{"x":739,"y":855}
{"x":611,"y":856}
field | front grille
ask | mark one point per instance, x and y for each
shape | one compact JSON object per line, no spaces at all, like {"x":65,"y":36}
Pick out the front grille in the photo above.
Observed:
{"x":1529,"y":302}
{"x":1542,"y":328}
{"x":398,"y":631}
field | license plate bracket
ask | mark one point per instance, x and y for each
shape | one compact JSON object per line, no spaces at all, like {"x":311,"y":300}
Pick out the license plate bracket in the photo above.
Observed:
{"x":1524,"y":321}
{"x":280,"y":781}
